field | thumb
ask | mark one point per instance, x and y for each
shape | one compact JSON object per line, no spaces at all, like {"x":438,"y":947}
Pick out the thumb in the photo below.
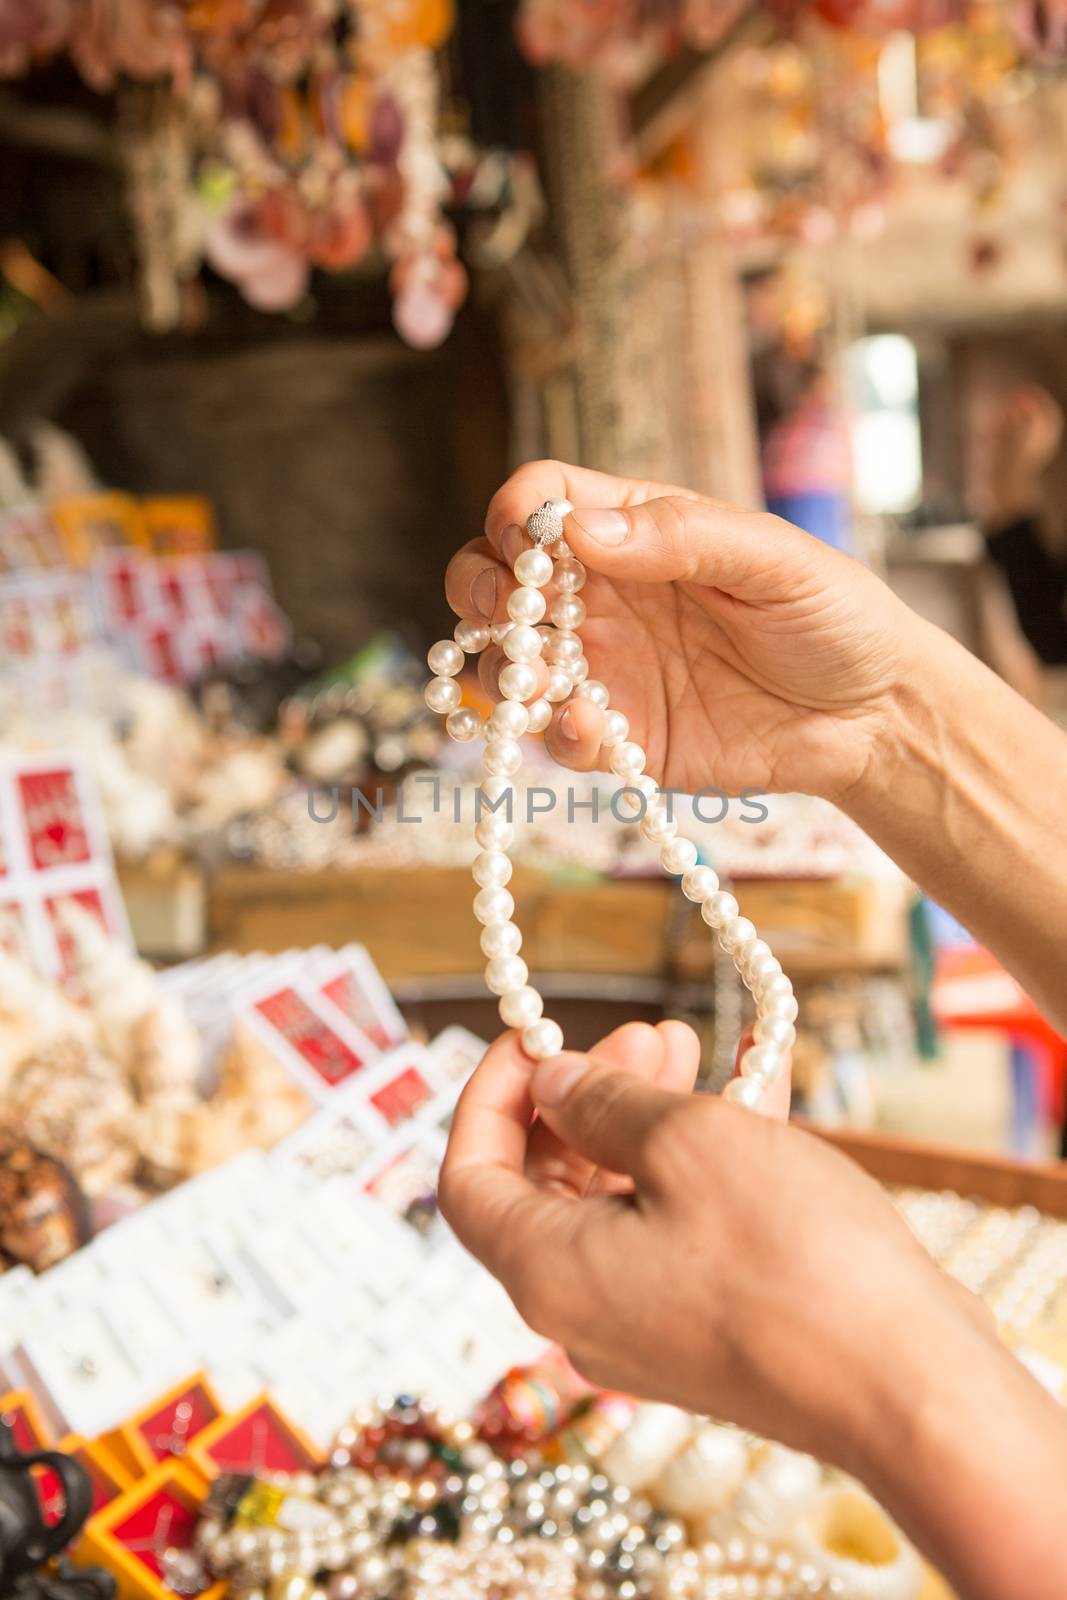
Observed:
{"x":677,"y":539}
{"x":601,"y":1112}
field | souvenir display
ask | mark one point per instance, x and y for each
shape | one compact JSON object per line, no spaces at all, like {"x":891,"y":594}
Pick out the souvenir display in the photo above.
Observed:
{"x":151,"y":1078}
{"x":548,"y":560}
{"x":285,"y":146}
{"x":43,"y":1215}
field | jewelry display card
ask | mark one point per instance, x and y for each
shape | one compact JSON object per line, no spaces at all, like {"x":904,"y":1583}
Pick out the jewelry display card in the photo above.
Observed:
{"x":53,"y":849}
{"x":320,"y":1051}
{"x":350,"y":983}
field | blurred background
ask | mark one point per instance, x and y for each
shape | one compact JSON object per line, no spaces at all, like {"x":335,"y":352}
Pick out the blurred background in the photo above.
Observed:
{"x":287,"y":287}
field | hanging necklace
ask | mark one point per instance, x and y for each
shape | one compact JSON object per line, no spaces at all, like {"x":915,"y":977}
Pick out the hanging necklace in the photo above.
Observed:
{"x":525,"y":638}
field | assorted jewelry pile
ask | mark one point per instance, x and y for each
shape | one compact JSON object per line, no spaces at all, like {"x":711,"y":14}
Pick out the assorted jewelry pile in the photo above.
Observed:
{"x":416,"y":1506}
{"x":525,"y":639}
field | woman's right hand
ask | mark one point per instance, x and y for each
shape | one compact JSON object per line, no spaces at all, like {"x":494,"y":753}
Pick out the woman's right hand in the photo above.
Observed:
{"x":744,"y":652}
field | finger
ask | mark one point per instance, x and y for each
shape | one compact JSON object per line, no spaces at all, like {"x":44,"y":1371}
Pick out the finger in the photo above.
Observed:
{"x":681,"y":1056}
{"x":492,"y":662}
{"x":749,"y":554}
{"x":484,"y":1196}
{"x":605,"y":1114}
{"x":634,"y":1047}
{"x":478,"y":582}
{"x":777,"y":1096}
{"x":533,"y":1240}
{"x":575,"y":736}
{"x":537,"y":481}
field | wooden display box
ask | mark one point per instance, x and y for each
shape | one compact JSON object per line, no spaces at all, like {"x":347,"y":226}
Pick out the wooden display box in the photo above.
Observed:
{"x":1000,"y":1180}
{"x":169,"y":1425}
{"x":108,"y":1478}
{"x":257,"y":1439}
{"x":130,"y":1536}
{"x":418,"y":924}
{"x":21,"y":1412}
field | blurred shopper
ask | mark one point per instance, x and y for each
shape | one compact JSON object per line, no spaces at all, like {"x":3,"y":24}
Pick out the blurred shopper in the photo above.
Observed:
{"x":1026,"y":434}
{"x":806,"y":459}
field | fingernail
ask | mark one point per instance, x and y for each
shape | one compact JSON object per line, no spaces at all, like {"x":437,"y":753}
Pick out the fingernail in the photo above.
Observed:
{"x":511,"y":542}
{"x":610,"y":527}
{"x":567,"y":727}
{"x":553,"y":1080}
{"x":483,"y":593}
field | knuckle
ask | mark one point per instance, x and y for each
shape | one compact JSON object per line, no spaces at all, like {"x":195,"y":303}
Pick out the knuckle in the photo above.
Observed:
{"x":672,"y":519}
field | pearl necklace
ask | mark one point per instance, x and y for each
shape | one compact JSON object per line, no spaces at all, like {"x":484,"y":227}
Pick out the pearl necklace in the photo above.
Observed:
{"x":524,"y":639}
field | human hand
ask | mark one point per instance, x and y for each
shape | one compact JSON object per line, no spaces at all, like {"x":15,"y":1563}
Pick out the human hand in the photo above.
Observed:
{"x":684,"y":1249}
{"x":742,"y":651}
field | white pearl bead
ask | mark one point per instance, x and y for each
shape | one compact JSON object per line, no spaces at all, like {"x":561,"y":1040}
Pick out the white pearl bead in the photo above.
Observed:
{"x":463,"y":724}
{"x":719,"y":908}
{"x":763,"y":1062}
{"x":442,"y":694}
{"x":616,"y":728}
{"x":542,"y":1039}
{"x":568,"y":611}
{"x":627,"y":759}
{"x":509,"y":719}
{"x":761,"y":969}
{"x":561,"y":549}
{"x":501,"y":939}
{"x":737,"y":934}
{"x":493,"y":905}
{"x":559,"y":685}
{"x":472,"y":636}
{"x":776,"y":1031}
{"x":496,"y":824}
{"x":700,"y":883}
{"x":636,"y":796}
{"x":540,"y":715}
{"x":518,"y":681}
{"x":526,"y":605}
{"x":781,"y":1005}
{"x":499,"y":631}
{"x":491,"y":866}
{"x":445,"y":658}
{"x":596,"y":691}
{"x":745,"y":1092}
{"x":522,"y":643}
{"x":774,"y":984}
{"x":678,"y":856}
{"x":580,"y":671}
{"x":570,"y":576}
{"x":502,"y":757}
{"x":754,"y":953}
{"x":657,"y":827}
{"x":533,"y":567}
{"x":520,"y":1007}
{"x":505,"y":974}
{"x":565,"y":650}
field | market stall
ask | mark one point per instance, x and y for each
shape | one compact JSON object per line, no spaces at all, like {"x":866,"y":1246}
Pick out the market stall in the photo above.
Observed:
{"x":287,"y":290}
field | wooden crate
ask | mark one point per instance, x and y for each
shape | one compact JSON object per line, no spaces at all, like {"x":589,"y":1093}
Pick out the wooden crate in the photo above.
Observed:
{"x":419,"y":924}
{"x":1001,"y":1180}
